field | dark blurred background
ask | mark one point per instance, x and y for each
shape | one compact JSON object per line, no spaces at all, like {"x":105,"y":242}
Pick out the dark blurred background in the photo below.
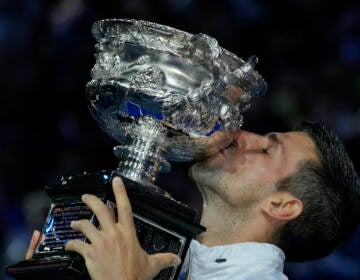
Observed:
{"x":309,"y":54}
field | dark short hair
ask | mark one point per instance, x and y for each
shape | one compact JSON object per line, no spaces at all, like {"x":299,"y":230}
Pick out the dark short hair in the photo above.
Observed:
{"x":330,"y":192}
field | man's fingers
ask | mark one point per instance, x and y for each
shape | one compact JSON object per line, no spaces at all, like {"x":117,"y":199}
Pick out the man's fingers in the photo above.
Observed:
{"x":101,"y":211}
{"x":125,"y":216}
{"x":77,"y":246}
{"x":163,"y":260}
{"x":87,"y":228}
{"x":34,"y":239}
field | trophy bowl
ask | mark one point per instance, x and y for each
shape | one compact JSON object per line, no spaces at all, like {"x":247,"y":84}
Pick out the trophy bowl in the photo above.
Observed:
{"x":153,"y":88}
{"x":152,"y":82}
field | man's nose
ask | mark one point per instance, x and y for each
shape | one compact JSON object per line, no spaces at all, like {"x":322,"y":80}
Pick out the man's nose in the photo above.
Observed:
{"x":249,"y":140}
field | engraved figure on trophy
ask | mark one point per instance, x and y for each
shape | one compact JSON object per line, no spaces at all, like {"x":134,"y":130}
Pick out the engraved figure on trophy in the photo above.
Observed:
{"x":153,"y":89}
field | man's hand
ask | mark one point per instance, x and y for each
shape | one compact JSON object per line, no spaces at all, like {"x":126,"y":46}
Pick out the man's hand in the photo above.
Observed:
{"x":114,"y":251}
{"x":34,"y":240}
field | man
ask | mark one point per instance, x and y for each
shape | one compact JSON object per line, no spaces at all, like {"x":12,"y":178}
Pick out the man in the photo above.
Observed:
{"x":294,"y":193}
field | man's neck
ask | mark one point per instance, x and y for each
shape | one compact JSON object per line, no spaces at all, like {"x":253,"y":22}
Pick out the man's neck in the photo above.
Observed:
{"x":227,"y":226}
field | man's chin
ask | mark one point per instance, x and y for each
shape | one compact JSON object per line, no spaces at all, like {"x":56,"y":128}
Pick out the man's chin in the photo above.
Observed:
{"x":213,"y":162}
{"x":201,"y":170}
{"x":191,"y":171}
{"x":209,"y":163}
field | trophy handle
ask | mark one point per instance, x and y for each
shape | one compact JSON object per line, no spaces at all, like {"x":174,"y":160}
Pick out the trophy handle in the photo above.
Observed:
{"x":204,"y":49}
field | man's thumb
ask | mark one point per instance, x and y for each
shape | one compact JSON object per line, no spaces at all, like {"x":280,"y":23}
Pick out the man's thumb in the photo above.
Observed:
{"x":164,"y":260}
{"x":34,"y":240}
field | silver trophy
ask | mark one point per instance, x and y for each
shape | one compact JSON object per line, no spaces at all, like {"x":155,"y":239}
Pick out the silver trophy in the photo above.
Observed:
{"x":153,"y":89}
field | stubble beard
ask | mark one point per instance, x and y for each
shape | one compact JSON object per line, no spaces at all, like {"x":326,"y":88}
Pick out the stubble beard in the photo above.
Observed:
{"x":218,"y":213}
{"x":208,"y":180}
{"x":213,"y":183}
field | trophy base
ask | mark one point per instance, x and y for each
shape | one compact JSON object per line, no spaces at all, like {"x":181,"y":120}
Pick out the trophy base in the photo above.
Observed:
{"x":162,"y":225}
{"x":57,"y":268}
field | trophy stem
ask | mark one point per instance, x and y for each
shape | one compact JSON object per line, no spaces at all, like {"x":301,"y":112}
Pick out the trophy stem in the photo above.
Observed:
{"x":142,"y":158}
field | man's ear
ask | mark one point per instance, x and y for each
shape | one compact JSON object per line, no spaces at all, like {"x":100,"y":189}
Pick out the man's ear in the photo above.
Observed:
{"x":282,"y":206}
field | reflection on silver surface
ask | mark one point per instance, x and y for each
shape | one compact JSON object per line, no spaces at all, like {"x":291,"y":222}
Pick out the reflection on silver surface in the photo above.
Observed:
{"x":152,"y":82}
{"x":57,"y":230}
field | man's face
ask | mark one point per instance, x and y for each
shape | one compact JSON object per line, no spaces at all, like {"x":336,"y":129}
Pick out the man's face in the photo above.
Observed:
{"x":249,"y":168}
